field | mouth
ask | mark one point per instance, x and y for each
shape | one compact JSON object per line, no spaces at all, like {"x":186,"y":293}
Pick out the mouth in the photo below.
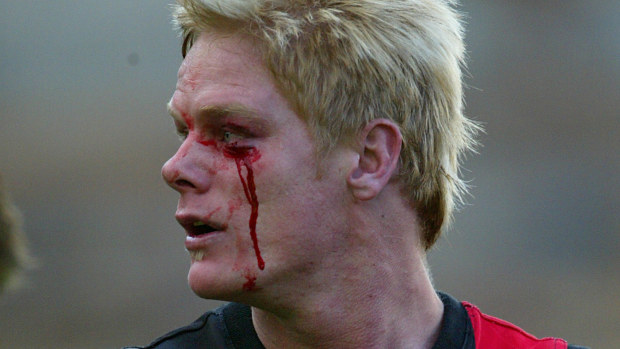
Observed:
{"x":199,"y":228}
{"x":195,"y":227}
{"x":199,"y":234}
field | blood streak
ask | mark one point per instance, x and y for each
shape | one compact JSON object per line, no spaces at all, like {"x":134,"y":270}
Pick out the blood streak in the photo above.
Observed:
{"x":244,"y":156}
{"x":250,"y":284}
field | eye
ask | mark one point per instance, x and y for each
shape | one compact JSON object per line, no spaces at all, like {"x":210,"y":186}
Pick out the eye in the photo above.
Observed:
{"x":231,"y":137}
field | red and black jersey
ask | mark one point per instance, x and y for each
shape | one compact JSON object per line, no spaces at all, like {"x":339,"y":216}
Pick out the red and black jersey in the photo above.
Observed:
{"x":463,"y":327}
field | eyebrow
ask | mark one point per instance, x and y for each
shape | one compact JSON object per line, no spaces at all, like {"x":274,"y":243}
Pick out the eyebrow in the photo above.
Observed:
{"x":213,"y":111}
{"x":231,"y":109}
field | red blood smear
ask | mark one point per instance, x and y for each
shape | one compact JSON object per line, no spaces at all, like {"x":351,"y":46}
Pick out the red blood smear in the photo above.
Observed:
{"x":244,"y":156}
{"x":208,"y":142}
{"x":250,"y":284}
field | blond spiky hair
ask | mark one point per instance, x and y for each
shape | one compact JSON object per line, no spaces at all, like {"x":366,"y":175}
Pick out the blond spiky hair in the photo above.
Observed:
{"x":342,"y":63}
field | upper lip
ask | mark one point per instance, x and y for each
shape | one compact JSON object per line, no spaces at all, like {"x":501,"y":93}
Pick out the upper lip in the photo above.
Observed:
{"x":194,"y":225}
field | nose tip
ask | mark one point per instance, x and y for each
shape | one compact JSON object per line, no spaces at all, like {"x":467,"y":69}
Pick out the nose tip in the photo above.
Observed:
{"x":173,"y":175}
{"x":169,"y":173}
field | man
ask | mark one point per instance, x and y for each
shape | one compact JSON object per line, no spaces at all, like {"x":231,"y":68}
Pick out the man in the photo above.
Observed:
{"x":14,"y":256}
{"x":319,"y":163}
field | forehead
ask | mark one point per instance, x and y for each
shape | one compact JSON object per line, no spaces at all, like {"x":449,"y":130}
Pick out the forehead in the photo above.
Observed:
{"x":222,"y":70}
{"x":213,"y":50}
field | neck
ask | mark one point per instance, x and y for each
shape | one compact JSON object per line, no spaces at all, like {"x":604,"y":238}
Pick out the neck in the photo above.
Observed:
{"x":377,"y":295}
{"x":372,"y":317}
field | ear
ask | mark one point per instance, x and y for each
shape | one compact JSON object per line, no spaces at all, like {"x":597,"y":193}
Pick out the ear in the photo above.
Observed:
{"x":379,"y":152}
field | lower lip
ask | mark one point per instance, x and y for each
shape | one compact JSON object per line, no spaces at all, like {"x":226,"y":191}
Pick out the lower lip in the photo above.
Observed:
{"x":200,"y":242}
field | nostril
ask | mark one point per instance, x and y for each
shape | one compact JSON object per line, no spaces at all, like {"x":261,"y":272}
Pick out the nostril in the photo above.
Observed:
{"x":183,"y":183}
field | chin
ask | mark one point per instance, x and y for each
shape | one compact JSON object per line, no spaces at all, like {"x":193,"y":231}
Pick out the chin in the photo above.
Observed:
{"x":205,"y":280}
{"x":214,"y":282}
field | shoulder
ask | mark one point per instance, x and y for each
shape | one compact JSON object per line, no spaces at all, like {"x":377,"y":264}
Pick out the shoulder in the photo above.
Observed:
{"x":492,"y":332}
{"x":229,"y":326}
{"x":208,"y":329}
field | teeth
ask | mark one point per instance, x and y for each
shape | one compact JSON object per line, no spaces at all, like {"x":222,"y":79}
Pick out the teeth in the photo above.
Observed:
{"x":196,"y":255}
{"x":199,"y":224}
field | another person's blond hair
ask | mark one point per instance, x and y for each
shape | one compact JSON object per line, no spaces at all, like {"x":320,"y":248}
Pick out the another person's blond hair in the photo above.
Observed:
{"x":343,"y":63}
{"x":13,"y":254}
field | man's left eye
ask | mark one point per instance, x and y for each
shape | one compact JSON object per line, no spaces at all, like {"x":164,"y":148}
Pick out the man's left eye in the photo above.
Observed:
{"x":230,"y":137}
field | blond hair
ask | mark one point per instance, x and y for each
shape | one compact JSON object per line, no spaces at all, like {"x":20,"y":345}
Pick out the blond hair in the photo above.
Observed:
{"x":344,"y":63}
{"x":14,"y":256}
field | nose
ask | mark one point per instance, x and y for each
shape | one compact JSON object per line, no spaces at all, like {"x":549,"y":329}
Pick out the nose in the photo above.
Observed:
{"x":183,"y":172}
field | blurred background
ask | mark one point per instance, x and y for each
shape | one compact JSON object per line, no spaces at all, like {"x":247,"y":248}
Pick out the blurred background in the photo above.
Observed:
{"x":84,"y":132}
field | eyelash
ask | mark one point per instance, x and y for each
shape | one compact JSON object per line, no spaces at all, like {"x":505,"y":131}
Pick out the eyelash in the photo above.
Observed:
{"x":225,"y":136}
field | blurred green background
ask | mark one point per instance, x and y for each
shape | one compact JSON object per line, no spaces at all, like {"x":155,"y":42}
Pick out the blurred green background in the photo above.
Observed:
{"x":84,"y":132}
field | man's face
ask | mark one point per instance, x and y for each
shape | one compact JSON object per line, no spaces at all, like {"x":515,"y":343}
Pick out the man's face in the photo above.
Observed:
{"x":258,"y":218}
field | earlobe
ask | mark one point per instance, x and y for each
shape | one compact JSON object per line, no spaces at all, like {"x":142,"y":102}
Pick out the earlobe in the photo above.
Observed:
{"x":380,"y":145}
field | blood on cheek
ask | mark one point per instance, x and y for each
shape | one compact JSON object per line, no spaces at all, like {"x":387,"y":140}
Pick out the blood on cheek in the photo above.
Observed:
{"x":244,"y":156}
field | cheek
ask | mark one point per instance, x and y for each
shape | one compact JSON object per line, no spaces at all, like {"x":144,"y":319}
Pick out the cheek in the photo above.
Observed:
{"x":244,"y":158}
{"x":221,"y":165}
{"x":233,"y":206}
